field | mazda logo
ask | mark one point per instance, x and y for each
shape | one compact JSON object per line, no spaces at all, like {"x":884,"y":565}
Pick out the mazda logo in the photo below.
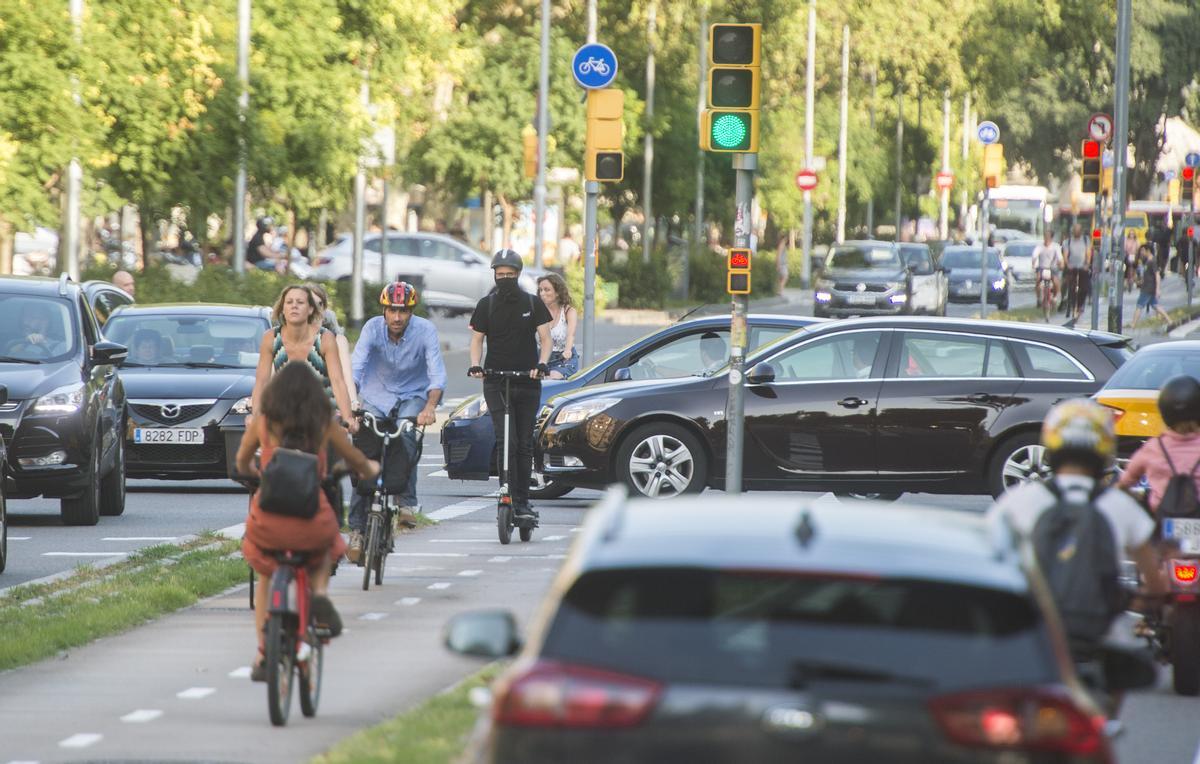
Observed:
{"x":169,"y":410}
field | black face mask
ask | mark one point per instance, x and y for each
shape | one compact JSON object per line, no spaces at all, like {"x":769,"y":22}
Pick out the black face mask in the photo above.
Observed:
{"x":507,"y":287}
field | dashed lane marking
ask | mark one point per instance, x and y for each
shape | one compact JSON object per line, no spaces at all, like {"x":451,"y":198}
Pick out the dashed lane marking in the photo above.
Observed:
{"x":82,"y":740}
{"x":141,"y":716}
{"x":196,"y":693}
{"x":553,"y":538}
{"x":439,"y":473}
{"x":469,"y":573}
{"x":500,"y":558}
{"x":461,"y":541}
{"x":461,"y":508}
{"x":576,"y":530}
{"x":408,"y":601}
{"x":427,"y":554}
{"x":242,"y":672}
{"x":372,"y":616}
{"x":23,"y":761}
{"x":439,"y":586}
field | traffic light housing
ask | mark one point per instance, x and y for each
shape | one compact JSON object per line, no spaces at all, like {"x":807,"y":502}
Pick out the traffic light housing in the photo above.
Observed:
{"x":1188,"y":185}
{"x":737,"y":279}
{"x":993,"y":164}
{"x":731,"y":121}
{"x":1091,"y":151}
{"x":604,"y":159}
{"x":1097,"y":239}
{"x":530,"y":140}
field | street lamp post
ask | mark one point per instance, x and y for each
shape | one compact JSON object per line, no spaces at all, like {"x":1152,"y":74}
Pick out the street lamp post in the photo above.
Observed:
{"x":239,"y":191}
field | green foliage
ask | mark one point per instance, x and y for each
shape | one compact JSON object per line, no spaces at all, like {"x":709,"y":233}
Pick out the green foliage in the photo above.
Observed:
{"x":707,"y":281}
{"x":574,"y":278}
{"x":641,"y":285}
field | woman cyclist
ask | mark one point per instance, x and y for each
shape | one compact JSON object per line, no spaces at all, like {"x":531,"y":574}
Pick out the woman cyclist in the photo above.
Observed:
{"x":329,"y":322}
{"x":296,"y":414}
{"x":564,"y":359}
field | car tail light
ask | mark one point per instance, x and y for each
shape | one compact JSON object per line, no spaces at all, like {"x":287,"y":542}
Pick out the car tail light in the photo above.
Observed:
{"x":1184,"y":572}
{"x":1026,"y":719}
{"x":552,"y":694}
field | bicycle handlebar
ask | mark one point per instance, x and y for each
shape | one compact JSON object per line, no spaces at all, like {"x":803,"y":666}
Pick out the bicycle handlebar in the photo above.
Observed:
{"x":374,"y":424}
{"x":505,"y":373}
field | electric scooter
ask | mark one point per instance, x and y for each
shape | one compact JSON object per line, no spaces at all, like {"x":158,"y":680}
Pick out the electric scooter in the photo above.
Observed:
{"x":506,"y":519}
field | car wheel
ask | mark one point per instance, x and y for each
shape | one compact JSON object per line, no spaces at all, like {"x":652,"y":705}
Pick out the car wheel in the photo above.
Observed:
{"x":1017,"y":460}
{"x":662,"y":460}
{"x":112,"y":487}
{"x":3,"y":533}
{"x":818,"y":313}
{"x":85,"y":508}
{"x":541,"y":488}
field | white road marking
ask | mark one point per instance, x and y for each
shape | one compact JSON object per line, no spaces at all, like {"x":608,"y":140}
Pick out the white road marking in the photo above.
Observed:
{"x":459,"y":509}
{"x":23,"y":761}
{"x":372,"y":616}
{"x":141,"y":716}
{"x":459,"y":541}
{"x":82,"y":554}
{"x":500,"y":558}
{"x":428,"y":554}
{"x":233,"y":531}
{"x":553,"y":538}
{"x":139,"y":538}
{"x":408,"y":601}
{"x":196,"y":693}
{"x":19,"y":538}
{"x":82,"y":740}
{"x":242,"y":672}
{"x":439,"y":585}
{"x":469,"y":573}
{"x":439,"y":473}
{"x":576,"y":530}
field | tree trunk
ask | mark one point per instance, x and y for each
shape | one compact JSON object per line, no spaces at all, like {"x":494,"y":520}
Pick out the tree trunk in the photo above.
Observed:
{"x":6,"y":246}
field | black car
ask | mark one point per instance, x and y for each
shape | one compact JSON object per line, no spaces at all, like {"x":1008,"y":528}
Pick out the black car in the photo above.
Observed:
{"x":756,"y":631}
{"x":863,"y":278}
{"x":870,"y":405}
{"x":64,"y":420}
{"x":963,"y":270}
{"x":3,"y":504}
{"x":189,"y":377}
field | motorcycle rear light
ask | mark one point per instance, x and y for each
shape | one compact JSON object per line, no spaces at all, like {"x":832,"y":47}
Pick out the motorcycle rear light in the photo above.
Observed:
{"x":1023,"y":719}
{"x":1184,"y":572}
{"x":553,"y":694}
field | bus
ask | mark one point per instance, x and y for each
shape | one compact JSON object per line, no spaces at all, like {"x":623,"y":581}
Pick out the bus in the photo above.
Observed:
{"x":1020,"y":208}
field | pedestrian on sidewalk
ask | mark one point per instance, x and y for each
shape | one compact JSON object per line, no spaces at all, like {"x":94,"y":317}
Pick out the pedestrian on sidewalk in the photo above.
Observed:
{"x":1148,"y":299}
{"x":1079,"y":258}
{"x":1133,"y":258}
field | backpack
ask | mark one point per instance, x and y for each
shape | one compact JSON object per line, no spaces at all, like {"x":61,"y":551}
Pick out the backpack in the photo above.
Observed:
{"x":1179,"y":497}
{"x":290,"y":484}
{"x":1076,"y":552}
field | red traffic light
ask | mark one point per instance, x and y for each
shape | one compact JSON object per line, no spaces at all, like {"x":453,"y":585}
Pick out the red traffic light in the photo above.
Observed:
{"x":1189,"y":173}
{"x":1097,"y":233}
{"x":739,"y":259}
{"x":1091,"y":149}
{"x":1191,"y":232}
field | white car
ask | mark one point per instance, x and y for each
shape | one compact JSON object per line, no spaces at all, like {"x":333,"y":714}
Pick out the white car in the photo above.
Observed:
{"x":1018,"y":256}
{"x":930,"y":289}
{"x":451,"y":275}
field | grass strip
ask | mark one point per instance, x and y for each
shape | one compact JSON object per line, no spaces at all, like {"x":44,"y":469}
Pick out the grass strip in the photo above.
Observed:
{"x":42,"y":620}
{"x":1030,"y":314}
{"x":432,"y":733}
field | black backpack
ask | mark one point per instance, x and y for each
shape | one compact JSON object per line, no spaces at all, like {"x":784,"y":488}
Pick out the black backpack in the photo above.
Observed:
{"x":1076,"y":551}
{"x":1179,"y":497}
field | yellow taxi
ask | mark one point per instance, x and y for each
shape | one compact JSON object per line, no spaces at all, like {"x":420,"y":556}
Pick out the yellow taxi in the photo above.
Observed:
{"x":1139,"y":223}
{"x":1132,"y":392}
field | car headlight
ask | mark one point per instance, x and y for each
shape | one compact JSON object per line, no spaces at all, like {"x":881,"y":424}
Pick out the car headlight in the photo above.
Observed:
{"x":577,"y":412}
{"x":64,"y":400}
{"x":998,"y":284}
{"x":241,"y":407}
{"x":472,"y":408}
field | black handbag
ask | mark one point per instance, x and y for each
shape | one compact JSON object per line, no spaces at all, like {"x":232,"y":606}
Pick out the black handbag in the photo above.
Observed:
{"x":290,"y":484}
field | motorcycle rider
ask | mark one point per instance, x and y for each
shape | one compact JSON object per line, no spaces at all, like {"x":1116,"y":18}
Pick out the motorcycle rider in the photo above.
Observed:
{"x":1178,"y":446}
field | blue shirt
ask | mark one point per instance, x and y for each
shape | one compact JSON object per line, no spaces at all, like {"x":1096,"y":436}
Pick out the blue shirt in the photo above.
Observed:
{"x":386,"y":371}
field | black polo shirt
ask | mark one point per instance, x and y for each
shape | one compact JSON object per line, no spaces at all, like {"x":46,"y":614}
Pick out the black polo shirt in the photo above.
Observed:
{"x":510,"y":326}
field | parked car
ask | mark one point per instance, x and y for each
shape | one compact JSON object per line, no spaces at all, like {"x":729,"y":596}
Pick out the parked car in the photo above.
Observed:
{"x":1005,"y":235}
{"x":774,"y":630}
{"x":930,"y":289}
{"x":1018,"y":256}
{"x":962,"y":264}
{"x":863,"y":278}
{"x":451,"y":275}
{"x":3,"y":503}
{"x":189,"y":377}
{"x":1132,"y":393}
{"x":879,"y":405}
{"x":64,"y":418}
{"x":469,"y":440}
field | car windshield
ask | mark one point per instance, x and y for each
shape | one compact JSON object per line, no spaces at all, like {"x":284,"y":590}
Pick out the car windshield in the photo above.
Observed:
{"x":775,"y":629}
{"x":181,"y":339}
{"x":1018,"y":249}
{"x":1149,"y":371}
{"x":968,"y":258}
{"x":863,"y":258}
{"x":35,"y":329}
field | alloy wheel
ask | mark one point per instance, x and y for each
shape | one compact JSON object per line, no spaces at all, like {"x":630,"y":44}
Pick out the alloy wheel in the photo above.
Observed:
{"x":661,"y":466}
{"x":1025,"y":464}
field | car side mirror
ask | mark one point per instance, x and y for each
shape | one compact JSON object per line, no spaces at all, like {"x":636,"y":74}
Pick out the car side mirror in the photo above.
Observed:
{"x":483,"y":634}
{"x":3,"y":395}
{"x":106,"y":352}
{"x":622,"y":374}
{"x":762,"y":374}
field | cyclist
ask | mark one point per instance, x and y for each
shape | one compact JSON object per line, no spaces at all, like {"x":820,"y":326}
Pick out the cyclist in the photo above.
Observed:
{"x":398,"y":371}
{"x":295,"y":414}
{"x":1048,"y":264}
{"x":515,"y":324}
{"x":1177,"y":449}
{"x":1079,"y":259}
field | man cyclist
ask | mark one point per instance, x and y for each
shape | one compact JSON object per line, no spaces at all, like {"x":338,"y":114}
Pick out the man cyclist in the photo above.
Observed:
{"x":397,"y":366}
{"x":515,"y":324}
{"x":1079,"y":260}
{"x":1047,"y":256}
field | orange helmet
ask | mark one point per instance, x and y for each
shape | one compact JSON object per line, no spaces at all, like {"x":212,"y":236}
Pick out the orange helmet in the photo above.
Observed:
{"x":398,"y":294}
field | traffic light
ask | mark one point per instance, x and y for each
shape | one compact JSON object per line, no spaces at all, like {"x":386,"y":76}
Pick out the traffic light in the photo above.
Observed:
{"x":730,"y":123}
{"x":1188,"y":187}
{"x":1091,"y":166}
{"x":993,"y":164}
{"x":738,"y":276}
{"x":603,"y":158}
{"x":1097,"y":239}
{"x":530,"y":139}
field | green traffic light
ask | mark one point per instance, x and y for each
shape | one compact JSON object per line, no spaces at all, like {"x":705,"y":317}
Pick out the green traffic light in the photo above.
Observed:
{"x":730,"y":131}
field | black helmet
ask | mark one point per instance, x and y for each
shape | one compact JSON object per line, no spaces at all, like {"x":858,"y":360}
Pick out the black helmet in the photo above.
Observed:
{"x":1179,"y":400}
{"x":265,"y":222}
{"x":508,"y":258}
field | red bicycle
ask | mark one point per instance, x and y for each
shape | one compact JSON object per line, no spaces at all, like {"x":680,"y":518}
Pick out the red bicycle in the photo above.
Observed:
{"x":1047,"y":294}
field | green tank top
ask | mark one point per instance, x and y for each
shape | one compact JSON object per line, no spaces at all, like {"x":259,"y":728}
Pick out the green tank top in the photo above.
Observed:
{"x":314,"y":359}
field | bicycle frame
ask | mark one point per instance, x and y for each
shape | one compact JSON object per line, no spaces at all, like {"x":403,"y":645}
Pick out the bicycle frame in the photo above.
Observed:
{"x":289,"y":593}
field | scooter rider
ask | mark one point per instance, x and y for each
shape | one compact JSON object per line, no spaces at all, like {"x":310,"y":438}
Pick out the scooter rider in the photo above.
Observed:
{"x":515,"y":324}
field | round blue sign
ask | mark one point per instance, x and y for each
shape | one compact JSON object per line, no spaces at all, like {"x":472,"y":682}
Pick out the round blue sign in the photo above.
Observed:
{"x":1192,"y":159}
{"x":987,"y":133}
{"x":594,"y":66}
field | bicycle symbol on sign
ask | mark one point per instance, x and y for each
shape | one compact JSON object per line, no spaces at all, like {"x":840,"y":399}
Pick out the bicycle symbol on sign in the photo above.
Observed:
{"x":593,"y":64}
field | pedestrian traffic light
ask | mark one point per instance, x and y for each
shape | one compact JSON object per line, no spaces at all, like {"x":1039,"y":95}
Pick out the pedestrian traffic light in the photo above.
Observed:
{"x":730,"y":123}
{"x":1097,"y":239}
{"x":604,"y":160}
{"x":530,"y":139}
{"x":1188,"y":187}
{"x":738,"y":275}
{"x":1090,"y":151}
{"x":993,"y":164}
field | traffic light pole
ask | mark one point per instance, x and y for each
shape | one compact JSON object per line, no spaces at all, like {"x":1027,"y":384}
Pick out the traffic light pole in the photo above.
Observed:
{"x":591,"y":190}
{"x":1096,"y":264}
{"x":1120,"y":143}
{"x":983,"y":246}
{"x":745,"y":166}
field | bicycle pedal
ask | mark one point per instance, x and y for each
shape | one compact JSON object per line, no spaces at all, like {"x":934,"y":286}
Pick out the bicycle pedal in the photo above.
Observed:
{"x":323,"y":633}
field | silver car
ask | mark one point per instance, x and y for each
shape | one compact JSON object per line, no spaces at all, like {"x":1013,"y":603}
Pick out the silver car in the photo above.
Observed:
{"x":451,"y":275}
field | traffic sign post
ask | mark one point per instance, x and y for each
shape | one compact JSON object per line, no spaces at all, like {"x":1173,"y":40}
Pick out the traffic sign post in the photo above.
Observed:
{"x":988,"y":134}
{"x":806,"y":180}
{"x":594,"y":66}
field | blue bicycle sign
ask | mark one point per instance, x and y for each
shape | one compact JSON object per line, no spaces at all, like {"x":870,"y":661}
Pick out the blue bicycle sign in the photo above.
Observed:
{"x":594,"y":66}
{"x":1192,"y":159}
{"x":987,"y":133}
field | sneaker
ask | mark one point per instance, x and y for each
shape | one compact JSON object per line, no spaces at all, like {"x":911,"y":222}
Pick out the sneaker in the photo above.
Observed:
{"x":354,"y":552}
{"x":326,"y":615}
{"x":258,"y":669}
{"x":406,"y":517}
{"x":526,"y":510}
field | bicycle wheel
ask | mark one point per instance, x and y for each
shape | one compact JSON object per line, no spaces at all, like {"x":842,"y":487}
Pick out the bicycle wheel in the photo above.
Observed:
{"x":385,"y":547}
{"x":252,"y":582}
{"x":372,"y":547}
{"x":310,"y":675}
{"x":504,"y":521}
{"x":281,"y":659}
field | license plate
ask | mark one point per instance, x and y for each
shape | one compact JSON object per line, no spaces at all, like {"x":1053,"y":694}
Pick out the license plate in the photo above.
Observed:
{"x":181,"y":436}
{"x":1181,"y":528}
{"x":861,"y":299}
